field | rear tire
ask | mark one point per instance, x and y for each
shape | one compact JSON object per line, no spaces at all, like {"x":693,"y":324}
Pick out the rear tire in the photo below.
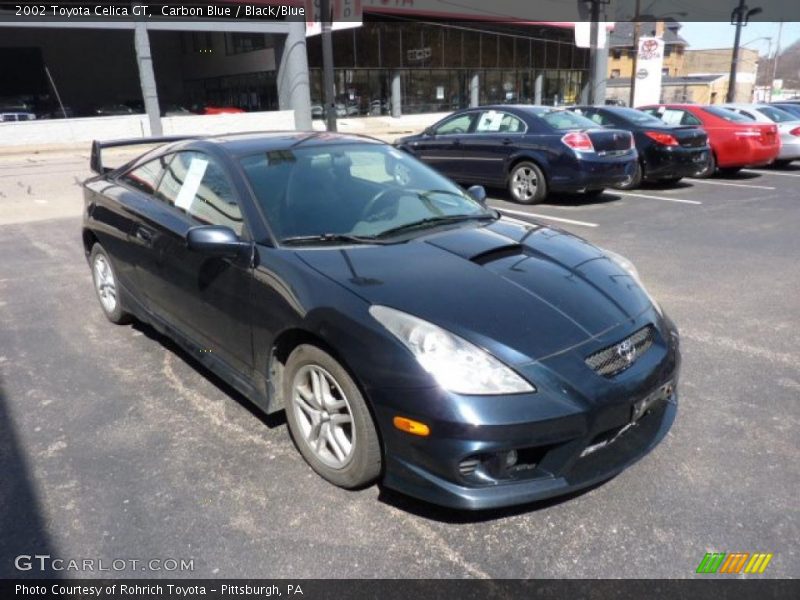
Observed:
{"x":593,"y":193}
{"x":730,"y":171}
{"x":709,"y":169}
{"x":329,"y":420}
{"x":526,"y":183}
{"x":635,"y":181}
{"x":106,"y":286}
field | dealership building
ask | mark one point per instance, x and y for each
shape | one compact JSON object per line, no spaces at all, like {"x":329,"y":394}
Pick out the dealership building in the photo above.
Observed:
{"x":397,"y":61}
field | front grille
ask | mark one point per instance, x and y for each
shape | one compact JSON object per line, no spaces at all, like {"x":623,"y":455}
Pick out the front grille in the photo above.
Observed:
{"x":615,"y":359}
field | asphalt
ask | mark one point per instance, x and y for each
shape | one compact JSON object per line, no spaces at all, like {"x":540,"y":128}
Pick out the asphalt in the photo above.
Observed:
{"x":115,"y":444}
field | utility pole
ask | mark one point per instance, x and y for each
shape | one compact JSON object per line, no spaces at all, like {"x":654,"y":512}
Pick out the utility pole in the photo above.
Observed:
{"x":635,"y":65}
{"x":739,"y":17}
{"x":599,"y":57}
{"x":327,"y":65}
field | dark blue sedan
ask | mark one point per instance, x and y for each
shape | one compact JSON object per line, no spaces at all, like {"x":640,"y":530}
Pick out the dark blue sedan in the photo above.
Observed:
{"x":411,"y":334}
{"x":531,"y":150}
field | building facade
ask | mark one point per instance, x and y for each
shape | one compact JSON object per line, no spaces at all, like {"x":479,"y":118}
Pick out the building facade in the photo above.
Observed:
{"x":439,"y":65}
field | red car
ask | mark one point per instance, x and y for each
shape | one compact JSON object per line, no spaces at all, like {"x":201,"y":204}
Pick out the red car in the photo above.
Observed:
{"x":221,"y":110}
{"x":735,"y":141}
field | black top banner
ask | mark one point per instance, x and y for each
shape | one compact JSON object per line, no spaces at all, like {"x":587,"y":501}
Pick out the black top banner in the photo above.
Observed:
{"x":355,"y":10}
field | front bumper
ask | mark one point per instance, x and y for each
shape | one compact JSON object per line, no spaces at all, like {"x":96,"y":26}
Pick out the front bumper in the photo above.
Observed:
{"x":575,"y":431}
{"x":669,"y":162}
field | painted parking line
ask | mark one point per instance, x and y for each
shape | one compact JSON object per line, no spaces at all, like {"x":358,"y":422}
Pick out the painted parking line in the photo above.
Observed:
{"x":767,"y":172}
{"x":649,"y":197}
{"x":741,"y":185}
{"x":506,"y":211}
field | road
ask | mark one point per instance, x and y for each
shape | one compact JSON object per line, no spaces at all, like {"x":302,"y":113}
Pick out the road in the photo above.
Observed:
{"x":115,"y":444}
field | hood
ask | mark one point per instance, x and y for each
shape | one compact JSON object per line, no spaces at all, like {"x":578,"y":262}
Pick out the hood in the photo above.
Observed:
{"x":521,"y":291}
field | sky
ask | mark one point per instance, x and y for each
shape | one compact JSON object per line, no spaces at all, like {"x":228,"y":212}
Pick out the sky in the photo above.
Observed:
{"x":720,"y":35}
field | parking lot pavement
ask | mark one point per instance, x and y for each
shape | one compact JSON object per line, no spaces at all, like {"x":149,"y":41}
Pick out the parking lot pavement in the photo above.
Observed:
{"x":115,"y":444}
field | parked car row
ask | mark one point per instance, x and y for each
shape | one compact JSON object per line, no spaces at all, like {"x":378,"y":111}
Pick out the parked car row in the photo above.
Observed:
{"x":533,"y":150}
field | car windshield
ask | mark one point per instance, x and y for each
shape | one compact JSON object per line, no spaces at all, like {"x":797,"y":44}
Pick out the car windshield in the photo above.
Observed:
{"x":727,"y":114}
{"x":564,"y":120}
{"x":776,"y":114}
{"x":352,"y":193}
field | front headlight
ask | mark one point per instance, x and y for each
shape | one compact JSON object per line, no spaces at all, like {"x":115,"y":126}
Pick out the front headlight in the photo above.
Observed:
{"x":457,"y":365}
{"x":626,"y":265}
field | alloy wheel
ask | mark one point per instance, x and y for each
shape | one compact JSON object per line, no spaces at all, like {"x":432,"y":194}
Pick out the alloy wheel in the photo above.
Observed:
{"x":524,"y":183}
{"x":324,"y":416}
{"x":104,"y":283}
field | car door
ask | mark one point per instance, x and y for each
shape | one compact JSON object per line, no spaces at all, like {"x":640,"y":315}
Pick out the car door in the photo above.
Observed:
{"x":441,"y":148}
{"x":496,"y":136}
{"x":207,"y":298}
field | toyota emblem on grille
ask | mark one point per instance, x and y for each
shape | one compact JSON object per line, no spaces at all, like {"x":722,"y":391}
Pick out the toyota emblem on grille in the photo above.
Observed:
{"x":627,"y":351}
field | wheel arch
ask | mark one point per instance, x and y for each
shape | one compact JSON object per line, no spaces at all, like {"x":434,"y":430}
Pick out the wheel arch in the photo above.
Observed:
{"x":89,"y":240}
{"x":282,"y":347}
{"x":520,"y":158}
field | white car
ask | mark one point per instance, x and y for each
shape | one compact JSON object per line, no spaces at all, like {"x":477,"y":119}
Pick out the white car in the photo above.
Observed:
{"x":788,"y":127}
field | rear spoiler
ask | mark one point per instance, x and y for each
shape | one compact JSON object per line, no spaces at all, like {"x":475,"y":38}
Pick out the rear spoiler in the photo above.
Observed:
{"x":96,"y":160}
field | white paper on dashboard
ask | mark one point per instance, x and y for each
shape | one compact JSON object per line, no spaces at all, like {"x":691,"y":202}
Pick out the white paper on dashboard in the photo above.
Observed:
{"x":194,"y":177}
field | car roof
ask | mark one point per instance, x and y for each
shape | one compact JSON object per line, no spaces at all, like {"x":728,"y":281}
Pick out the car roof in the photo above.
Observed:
{"x":266,"y":141}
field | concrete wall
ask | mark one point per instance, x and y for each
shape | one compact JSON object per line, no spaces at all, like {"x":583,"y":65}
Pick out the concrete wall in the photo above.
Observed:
{"x":70,"y":131}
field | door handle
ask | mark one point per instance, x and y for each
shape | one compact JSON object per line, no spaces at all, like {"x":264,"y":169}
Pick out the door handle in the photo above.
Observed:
{"x":507,"y":141}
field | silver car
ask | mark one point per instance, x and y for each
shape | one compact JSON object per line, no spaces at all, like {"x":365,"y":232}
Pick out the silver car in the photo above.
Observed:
{"x":788,"y":127}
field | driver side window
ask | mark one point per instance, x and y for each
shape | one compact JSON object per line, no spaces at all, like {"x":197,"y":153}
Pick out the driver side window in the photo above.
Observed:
{"x":197,"y":185}
{"x":458,"y":124}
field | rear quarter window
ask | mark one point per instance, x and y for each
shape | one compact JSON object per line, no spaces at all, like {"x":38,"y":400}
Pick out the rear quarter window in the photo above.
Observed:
{"x":726,"y":114}
{"x":145,"y":178}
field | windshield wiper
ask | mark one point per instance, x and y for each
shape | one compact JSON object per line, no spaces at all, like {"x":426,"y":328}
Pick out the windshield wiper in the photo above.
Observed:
{"x":324,"y":238}
{"x":433,"y":221}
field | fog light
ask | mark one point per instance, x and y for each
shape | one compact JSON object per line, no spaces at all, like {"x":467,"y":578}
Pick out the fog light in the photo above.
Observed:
{"x":511,"y":458}
{"x":411,"y":426}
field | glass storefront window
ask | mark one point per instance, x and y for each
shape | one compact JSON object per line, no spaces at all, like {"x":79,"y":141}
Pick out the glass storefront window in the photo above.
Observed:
{"x":506,"y":58}
{"x":437,"y":61}
{"x":488,"y":50}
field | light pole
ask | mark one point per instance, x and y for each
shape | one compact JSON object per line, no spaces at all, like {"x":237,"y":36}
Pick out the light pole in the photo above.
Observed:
{"x":758,"y":63}
{"x":739,"y":17}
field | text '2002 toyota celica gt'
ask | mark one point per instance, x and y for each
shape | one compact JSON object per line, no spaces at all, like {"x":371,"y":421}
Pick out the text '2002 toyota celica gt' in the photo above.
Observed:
{"x":411,"y":333}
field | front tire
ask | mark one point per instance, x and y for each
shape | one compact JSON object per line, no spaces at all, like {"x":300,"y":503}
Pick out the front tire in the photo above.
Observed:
{"x":329,"y":420}
{"x":106,"y":286}
{"x":526,"y":183}
{"x":782,"y":163}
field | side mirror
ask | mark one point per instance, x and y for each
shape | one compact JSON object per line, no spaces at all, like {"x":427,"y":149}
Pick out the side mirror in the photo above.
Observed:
{"x":215,"y":240}
{"x":428,"y":132}
{"x":477,"y":193}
